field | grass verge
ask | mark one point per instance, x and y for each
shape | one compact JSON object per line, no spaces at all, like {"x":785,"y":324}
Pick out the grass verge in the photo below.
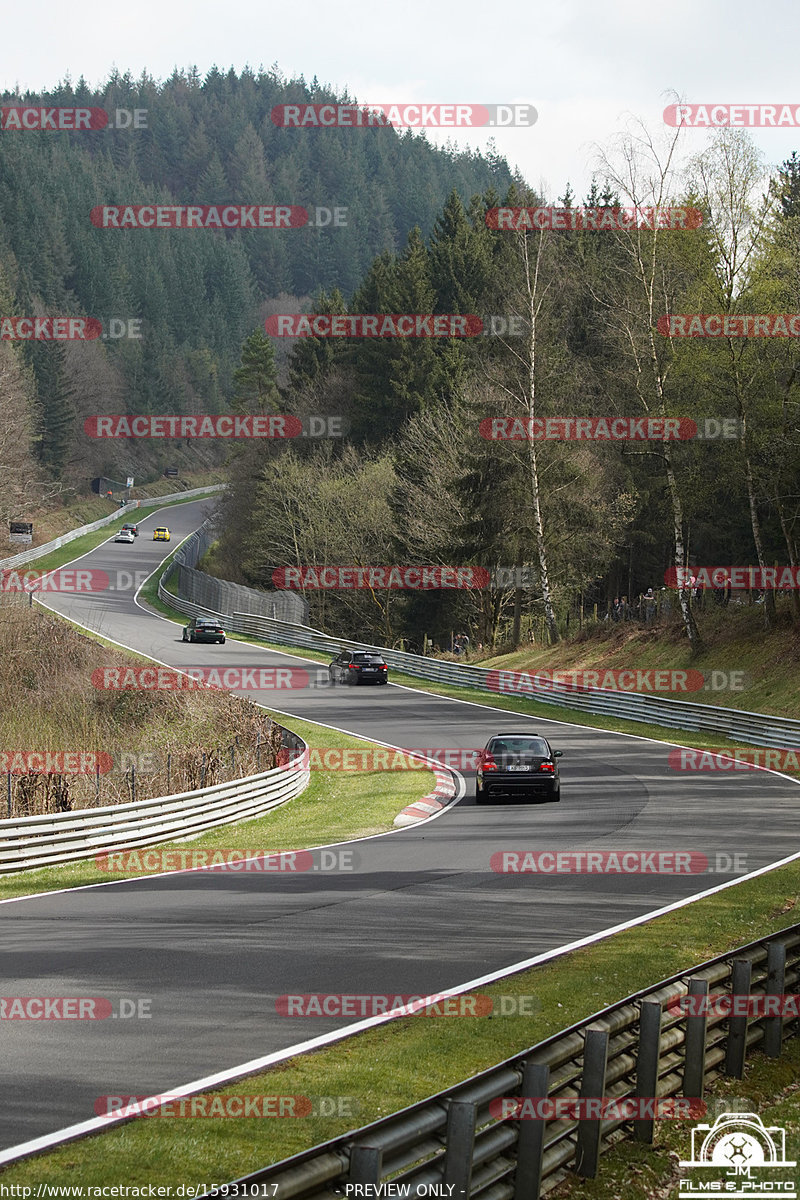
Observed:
{"x":746,"y":666}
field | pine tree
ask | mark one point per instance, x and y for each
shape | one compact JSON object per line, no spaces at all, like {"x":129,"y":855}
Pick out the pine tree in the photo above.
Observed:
{"x":56,"y":411}
{"x":256,"y":379}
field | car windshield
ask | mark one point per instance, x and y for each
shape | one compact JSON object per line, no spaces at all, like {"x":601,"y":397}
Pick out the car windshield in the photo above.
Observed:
{"x":535,"y":746}
{"x":367,"y":658}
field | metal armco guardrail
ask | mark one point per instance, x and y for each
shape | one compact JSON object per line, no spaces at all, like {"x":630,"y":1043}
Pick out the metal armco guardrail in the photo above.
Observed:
{"x":639,"y":1048}
{"x":756,"y":729}
{"x":40,"y":551}
{"x":43,"y":841}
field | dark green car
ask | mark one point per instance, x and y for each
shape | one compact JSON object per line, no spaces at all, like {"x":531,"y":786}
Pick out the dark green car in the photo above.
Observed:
{"x":204,"y":629}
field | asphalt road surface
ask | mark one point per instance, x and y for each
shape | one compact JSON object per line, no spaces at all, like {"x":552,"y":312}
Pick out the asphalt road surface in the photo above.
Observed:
{"x":422,"y":910}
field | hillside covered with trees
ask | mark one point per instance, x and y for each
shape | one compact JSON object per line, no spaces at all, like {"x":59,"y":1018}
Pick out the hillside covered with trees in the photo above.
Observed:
{"x":196,"y":294}
{"x":421,"y":480}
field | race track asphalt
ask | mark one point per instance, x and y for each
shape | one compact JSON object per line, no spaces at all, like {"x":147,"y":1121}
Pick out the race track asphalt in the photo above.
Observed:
{"x":422,"y":910}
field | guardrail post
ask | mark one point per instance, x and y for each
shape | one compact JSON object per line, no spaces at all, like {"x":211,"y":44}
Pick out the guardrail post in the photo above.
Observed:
{"x":694,"y":1047}
{"x":366,"y":1163}
{"x":776,"y":982}
{"x":459,"y":1144}
{"x":737,"y":1025}
{"x":169,"y":764}
{"x":648,"y":1058}
{"x":593,"y":1086}
{"x":8,"y":791}
{"x":530,"y":1139}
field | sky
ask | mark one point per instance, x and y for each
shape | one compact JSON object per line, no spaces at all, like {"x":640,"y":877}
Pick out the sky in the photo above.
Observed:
{"x":587,"y":66}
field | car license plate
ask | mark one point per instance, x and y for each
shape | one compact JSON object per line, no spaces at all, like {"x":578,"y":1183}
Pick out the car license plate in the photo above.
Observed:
{"x":519,"y":768}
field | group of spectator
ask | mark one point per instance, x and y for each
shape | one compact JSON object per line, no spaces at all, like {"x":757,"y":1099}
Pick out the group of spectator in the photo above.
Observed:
{"x":644,"y":609}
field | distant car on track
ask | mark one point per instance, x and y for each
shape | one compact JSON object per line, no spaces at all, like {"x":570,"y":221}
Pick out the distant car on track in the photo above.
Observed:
{"x":125,"y":535}
{"x":517,"y":764}
{"x":204,"y":629}
{"x":133,"y":528}
{"x":358,"y":666}
{"x":161,"y":534}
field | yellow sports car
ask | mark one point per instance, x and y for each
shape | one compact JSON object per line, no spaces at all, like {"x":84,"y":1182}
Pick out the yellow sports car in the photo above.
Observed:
{"x":161,"y":534}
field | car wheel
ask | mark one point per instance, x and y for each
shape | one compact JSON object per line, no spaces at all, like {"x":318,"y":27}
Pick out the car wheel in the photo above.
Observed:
{"x":184,"y":638}
{"x":480,"y":796}
{"x":222,"y":641}
{"x":191,"y":637}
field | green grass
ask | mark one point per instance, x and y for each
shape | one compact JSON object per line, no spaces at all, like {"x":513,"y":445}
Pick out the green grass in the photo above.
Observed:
{"x":387,"y":1068}
{"x":761,"y":665}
